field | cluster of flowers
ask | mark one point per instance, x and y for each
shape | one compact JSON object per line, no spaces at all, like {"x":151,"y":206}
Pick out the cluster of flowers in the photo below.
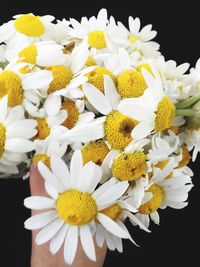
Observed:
{"x":106,"y":119}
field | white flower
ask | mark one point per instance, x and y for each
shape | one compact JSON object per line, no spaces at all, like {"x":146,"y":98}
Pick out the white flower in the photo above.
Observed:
{"x":27,"y":28}
{"x":154,"y":110}
{"x":24,"y":89}
{"x":192,"y":139}
{"x":15,"y":132}
{"x":43,"y":54}
{"x":168,"y":187}
{"x":74,"y":205}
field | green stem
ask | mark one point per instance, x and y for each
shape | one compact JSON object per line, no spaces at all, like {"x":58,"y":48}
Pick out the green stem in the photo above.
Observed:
{"x":186,"y":112}
{"x":188,"y":102}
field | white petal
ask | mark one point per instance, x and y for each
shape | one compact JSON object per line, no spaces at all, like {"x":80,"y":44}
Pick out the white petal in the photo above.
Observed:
{"x":112,"y":194}
{"x":76,"y":166}
{"x":49,"y":177}
{"x":3,"y":108}
{"x":38,"y":80}
{"x":133,"y":218}
{"x":58,"y":240}
{"x":51,"y":191}
{"x":155,"y":217}
{"x":97,"y":99}
{"x":60,"y":170}
{"x":104,"y":187}
{"x":142,"y":130}
{"x":52,"y":104}
{"x":111,"y":92}
{"x":19,"y":145}
{"x":39,"y":203}
{"x":49,"y":231}
{"x":87,"y":242}
{"x":71,"y":243}
{"x":106,"y":168}
{"x":112,"y":226}
{"x":40,"y":220}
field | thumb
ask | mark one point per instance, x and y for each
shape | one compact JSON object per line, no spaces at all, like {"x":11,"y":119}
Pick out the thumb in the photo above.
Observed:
{"x":36,"y":182}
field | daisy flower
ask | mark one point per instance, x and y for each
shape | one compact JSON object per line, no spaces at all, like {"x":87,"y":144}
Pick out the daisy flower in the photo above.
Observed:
{"x":75,"y":206}
{"x":27,"y":28}
{"x":43,"y":54}
{"x":115,"y":126}
{"x":15,"y":132}
{"x":24,"y":89}
{"x":92,"y":31}
{"x":44,"y":150}
{"x":154,"y":110}
{"x":118,"y":212}
{"x":49,"y":118}
{"x":168,"y":187}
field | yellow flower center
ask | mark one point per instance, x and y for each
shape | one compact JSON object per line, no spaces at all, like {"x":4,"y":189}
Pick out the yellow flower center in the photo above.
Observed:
{"x":28,"y":54}
{"x":96,"y":77}
{"x":61,"y":77}
{"x":95,"y":151}
{"x":133,"y":38}
{"x":42,"y":157}
{"x":155,"y":202}
{"x":113,"y":212}
{"x":11,"y":85}
{"x":165,"y":114}
{"x":97,"y":39}
{"x":146,"y":67}
{"x":72,"y":113}
{"x":2,"y":139}
{"x":131,"y":84}
{"x":185,"y":157}
{"x":129,"y":166}
{"x":29,"y":25}
{"x":76,"y":208}
{"x":118,"y":128}
{"x":42,"y":128}
{"x":90,"y":62}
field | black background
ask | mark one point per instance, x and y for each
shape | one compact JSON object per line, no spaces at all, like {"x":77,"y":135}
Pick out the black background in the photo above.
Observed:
{"x":173,"y":242}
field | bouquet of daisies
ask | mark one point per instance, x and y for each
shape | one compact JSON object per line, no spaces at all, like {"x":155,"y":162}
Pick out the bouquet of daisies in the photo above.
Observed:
{"x":107,"y":120}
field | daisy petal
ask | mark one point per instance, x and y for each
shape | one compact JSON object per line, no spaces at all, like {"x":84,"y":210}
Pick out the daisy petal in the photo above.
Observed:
{"x":39,"y":203}
{"x":71,"y":243}
{"x":40,"y":220}
{"x":58,"y":240}
{"x":87,"y":242}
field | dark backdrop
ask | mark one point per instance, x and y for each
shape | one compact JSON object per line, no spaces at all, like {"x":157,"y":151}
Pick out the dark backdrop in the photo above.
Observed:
{"x":173,"y":243}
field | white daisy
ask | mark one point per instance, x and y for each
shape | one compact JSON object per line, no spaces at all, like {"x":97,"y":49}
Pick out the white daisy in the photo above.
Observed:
{"x":168,"y":187}
{"x":75,"y":205}
{"x":93,"y":32}
{"x":15,"y":132}
{"x":154,"y":110}
{"x":43,"y":54}
{"x":27,"y":28}
{"x":24,"y":89}
{"x":49,"y":118}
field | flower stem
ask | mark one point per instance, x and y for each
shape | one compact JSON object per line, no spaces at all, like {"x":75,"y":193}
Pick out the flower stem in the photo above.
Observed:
{"x":188,"y":102}
{"x":186,"y":112}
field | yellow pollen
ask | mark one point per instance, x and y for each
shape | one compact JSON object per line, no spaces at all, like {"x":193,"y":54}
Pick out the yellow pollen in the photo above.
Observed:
{"x":96,"y":77}
{"x":28,"y":54}
{"x":72,"y":114}
{"x":76,"y":208}
{"x":131,"y":84}
{"x":185,"y":157}
{"x":146,"y":67}
{"x":95,"y":151}
{"x":97,"y":39}
{"x":29,"y":25}
{"x":133,"y":38}
{"x":155,"y":202}
{"x":11,"y":85}
{"x":113,"y":212}
{"x":42,"y":157}
{"x":165,"y":114}
{"x":68,"y":48}
{"x":90,"y":62}
{"x":118,"y":128}
{"x":61,"y":77}
{"x":42,"y":128}
{"x":2,"y":139}
{"x":129,"y":166}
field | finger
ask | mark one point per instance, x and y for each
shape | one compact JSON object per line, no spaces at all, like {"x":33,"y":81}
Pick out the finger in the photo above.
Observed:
{"x":36,"y":182}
